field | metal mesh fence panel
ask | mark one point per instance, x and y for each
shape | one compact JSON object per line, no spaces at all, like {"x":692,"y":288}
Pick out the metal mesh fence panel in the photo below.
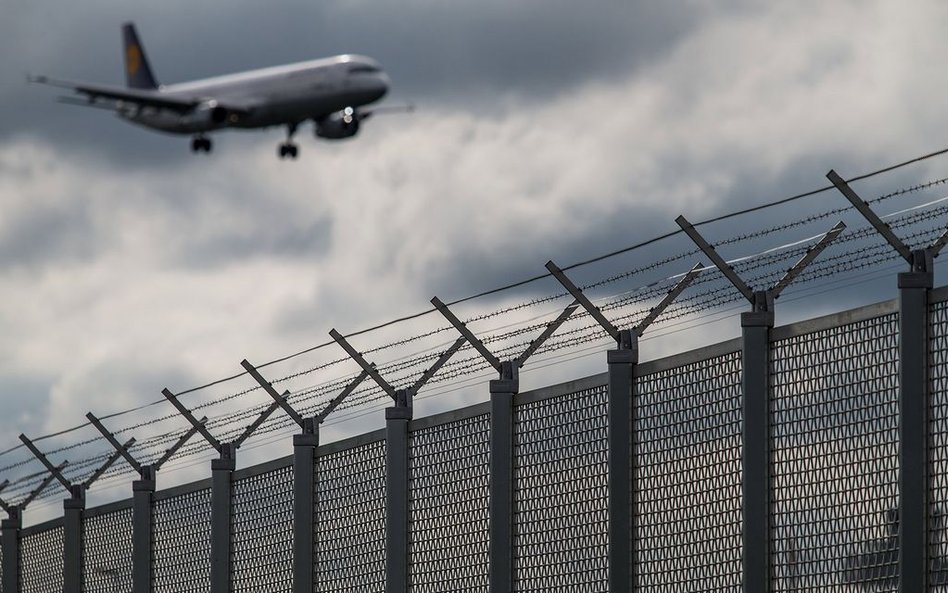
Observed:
{"x":449,"y":472}
{"x":834,"y":405}
{"x":182,"y":543}
{"x":687,"y":477}
{"x":938,"y":454}
{"x":350,"y":519}
{"x":42,"y":561}
{"x":263,"y":532}
{"x":108,"y":552}
{"x":560,"y":493}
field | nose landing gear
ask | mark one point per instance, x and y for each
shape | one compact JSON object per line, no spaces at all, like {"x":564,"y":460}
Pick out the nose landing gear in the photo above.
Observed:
{"x":200,"y":143}
{"x":288,"y":148}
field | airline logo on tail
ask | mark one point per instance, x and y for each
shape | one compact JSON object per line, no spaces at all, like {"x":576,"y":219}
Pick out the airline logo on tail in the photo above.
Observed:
{"x":133,"y":59}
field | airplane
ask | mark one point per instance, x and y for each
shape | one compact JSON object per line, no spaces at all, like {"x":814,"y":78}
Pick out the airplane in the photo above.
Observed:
{"x":332,"y":92}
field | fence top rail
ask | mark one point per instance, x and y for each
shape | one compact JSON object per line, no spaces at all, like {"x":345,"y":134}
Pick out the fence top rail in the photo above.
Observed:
{"x":41,"y":527}
{"x":835,"y":320}
{"x":576,"y":385}
{"x":455,"y":415}
{"x":938,"y":295}
{"x":183,"y":489}
{"x":685,"y":358}
{"x":105,"y":509}
{"x":263,"y":468}
{"x":351,"y":442}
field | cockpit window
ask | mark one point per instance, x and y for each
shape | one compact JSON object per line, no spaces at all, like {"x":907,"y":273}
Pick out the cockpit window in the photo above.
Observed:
{"x":362,"y":68}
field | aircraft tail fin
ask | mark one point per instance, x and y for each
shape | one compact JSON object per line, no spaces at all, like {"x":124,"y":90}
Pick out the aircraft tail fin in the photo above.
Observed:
{"x":137,"y":71}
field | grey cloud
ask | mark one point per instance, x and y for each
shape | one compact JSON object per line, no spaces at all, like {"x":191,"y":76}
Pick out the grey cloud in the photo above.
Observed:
{"x":291,"y":239}
{"x":24,"y":399}
{"x":48,"y":233}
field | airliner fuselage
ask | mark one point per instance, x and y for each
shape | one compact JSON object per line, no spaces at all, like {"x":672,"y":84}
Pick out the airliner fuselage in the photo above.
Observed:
{"x":280,"y":95}
{"x":331,"y":92}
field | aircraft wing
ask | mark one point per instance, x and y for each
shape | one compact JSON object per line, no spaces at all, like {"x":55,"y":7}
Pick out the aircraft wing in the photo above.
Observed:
{"x":126,"y":96}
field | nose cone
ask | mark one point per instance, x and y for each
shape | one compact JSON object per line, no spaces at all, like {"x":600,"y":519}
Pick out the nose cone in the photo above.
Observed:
{"x":381,"y":86}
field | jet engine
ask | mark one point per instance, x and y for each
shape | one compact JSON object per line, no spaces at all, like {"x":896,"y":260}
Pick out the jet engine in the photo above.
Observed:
{"x":208,"y":115}
{"x":341,"y":124}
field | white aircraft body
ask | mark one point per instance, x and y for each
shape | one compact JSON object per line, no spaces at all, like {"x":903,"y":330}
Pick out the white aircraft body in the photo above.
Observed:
{"x":331,"y":92}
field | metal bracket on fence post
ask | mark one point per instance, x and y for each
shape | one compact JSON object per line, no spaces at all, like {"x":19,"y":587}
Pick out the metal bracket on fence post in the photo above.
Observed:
{"x":755,"y":384}
{"x":397,"y":468}
{"x":621,"y":363}
{"x":304,"y":476}
{"x":73,"y":507}
{"x":143,"y":491}
{"x":502,"y":393}
{"x":914,"y":395}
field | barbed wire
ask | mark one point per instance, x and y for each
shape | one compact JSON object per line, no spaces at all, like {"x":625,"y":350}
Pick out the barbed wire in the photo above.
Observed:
{"x":510,"y":339}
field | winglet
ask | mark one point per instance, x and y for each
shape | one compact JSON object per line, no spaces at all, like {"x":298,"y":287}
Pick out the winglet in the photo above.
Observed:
{"x":138,"y":73}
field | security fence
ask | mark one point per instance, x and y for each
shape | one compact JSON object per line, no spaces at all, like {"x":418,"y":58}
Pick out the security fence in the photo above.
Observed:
{"x":805,"y":457}
{"x":833,"y":481}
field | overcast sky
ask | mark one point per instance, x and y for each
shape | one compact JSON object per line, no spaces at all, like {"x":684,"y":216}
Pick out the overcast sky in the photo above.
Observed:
{"x":545,"y":129}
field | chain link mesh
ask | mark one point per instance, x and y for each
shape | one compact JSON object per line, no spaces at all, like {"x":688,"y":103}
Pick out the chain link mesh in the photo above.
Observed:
{"x":449,"y":472}
{"x":938,"y":451}
{"x":350,"y":519}
{"x":263,"y":532}
{"x":834,"y":425}
{"x":42,"y":561}
{"x":182,"y":543}
{"x":108,"y":552}
{"x":560,"y":493}
{"x":687,"y":477}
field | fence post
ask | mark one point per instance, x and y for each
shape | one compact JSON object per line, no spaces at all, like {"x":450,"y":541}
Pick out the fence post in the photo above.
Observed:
{"x":620,"y":427}
{"x":914,"y":399}
{"x":304,"y":503}
{"x":502,"y":393}
{"x":73,"y":508}
{"x":11,"y":526}
{"x":914,"y":396}
{"x":143,"y":492}
{"x":222,"y":470}
{"x":143,"y":521}
{"x":621,"y":362}
{"x":396,"y":493}
{"x":755,"y":388}
{"x":11,"y":550}
{"x":755,"y":441}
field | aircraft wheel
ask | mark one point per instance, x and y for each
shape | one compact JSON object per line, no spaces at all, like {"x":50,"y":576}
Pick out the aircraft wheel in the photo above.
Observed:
{"x":288,"y":150}
{"x":199,"y":144}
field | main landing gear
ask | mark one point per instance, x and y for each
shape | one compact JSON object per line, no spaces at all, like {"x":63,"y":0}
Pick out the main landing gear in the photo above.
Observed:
{"x":288,"y":149}
{"x":200,"y":144}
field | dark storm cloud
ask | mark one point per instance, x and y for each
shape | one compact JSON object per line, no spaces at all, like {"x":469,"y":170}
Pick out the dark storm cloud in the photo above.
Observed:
{"x":470,"y":56}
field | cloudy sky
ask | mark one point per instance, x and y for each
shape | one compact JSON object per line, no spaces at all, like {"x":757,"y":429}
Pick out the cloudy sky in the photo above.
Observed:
{"x":546,"y":129}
